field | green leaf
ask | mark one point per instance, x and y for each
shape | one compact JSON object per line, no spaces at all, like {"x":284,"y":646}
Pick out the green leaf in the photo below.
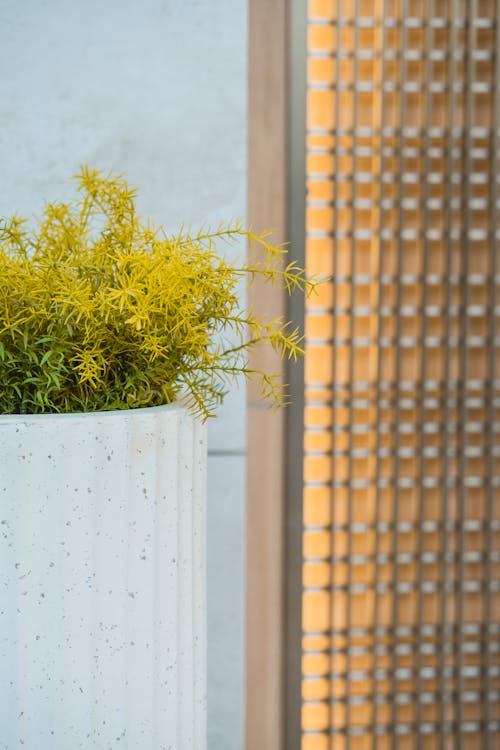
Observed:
{"x":101,"y":310}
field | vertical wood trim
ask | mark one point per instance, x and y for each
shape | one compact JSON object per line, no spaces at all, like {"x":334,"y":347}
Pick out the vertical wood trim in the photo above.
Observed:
{"x":267,"y":191}
{"x":294,"y":442}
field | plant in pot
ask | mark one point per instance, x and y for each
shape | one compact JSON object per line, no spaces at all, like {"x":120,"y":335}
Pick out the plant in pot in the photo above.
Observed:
{"x":117,"y":342}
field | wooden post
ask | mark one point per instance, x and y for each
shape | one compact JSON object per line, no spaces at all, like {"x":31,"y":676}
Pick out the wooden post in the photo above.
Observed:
{"x":265,"y":484}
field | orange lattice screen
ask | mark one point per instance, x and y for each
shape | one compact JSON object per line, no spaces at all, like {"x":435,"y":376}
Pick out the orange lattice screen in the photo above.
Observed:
{"x":401,"y":574}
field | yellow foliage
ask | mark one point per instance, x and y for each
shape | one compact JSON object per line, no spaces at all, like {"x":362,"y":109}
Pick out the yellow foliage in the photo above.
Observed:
{"x":101,"y":311}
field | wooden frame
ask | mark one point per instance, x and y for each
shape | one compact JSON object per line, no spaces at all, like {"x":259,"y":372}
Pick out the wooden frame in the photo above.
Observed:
{"x":265,"y":476}
{"x":276,"y":201}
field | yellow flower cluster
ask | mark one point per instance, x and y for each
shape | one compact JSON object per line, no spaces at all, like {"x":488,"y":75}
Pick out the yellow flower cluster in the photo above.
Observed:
{"x":100,"y":310}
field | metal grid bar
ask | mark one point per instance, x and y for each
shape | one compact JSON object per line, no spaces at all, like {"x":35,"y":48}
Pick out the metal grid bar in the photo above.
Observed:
{"x":452,"y":59}
{"x":402,"y":102}
{"x":378,"y":262}
{"x":494,"y":219}
{"x":469,"y":103}
{"x":332,"y":663}
{"x":353,"y":248}
{"x":423,"y":413}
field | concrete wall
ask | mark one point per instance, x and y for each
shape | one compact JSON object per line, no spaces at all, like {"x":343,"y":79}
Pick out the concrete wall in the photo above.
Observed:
{"x":157,"y":91}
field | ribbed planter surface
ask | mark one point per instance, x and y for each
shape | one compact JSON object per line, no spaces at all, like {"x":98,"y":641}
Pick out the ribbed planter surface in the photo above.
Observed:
{"x":102,"y":581}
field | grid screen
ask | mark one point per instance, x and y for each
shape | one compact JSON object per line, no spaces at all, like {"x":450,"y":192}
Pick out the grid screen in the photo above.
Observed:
{"x":401,"y":538}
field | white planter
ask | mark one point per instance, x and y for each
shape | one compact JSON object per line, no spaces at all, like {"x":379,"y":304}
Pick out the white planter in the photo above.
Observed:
{"x":102,"y":581}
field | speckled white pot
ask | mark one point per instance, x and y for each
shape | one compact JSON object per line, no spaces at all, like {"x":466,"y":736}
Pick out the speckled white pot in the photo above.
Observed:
{"x":102,"y":581}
